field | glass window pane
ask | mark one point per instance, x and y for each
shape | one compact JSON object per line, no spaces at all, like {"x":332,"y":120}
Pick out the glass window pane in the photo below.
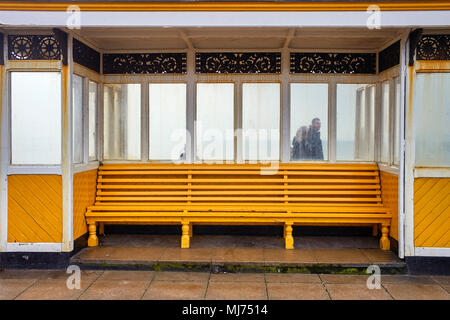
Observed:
{"x":92,"y":121}
{"x":35,"y":118}
{"x":261,"y":121}
{"x":369,"y":150}
{"x":167,"y":121}
{"x":77,"y":125}
{"x":215,"y":121}
{"x":385,"y":122}
{"x":354,"y":122}
{"x":432,"y":118}
{"x":309,"y":121}
{"x":122,"y":121}
{"x":397,"y":122}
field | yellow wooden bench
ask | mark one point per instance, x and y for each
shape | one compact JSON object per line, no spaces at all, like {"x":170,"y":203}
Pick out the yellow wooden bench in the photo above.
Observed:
{"x":238,"y":194}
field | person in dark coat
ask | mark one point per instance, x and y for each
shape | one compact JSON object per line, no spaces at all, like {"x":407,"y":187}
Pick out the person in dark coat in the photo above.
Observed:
{"x":299,"y":150}
{"x":314,"y":143}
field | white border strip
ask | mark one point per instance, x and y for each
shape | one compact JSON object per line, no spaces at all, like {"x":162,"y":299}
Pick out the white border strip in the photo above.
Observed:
{"x":436,"y":18}
{"x":432,"y":173}
{"x":14,"y":170}
{"x":389,"y":169}
{"x":432,"y":252}
{"x":34,"y":247}
{"x":86,"y":167}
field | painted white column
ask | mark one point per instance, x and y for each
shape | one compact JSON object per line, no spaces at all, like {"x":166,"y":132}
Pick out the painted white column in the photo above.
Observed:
{"x":66,"y":149}
{"x":191,"y":114}
{"x":409,"y":159}
{"x":285,"y":107}
{"x":4,"y":149}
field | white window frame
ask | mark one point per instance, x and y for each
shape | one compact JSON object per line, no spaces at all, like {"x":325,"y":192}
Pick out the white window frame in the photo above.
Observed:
{"x":88,"y":76}
{"x":27,"y":66}
{"x":331,"y":120}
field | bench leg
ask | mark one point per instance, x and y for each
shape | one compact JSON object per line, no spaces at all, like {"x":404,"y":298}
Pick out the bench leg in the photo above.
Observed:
{"x":101,"y":229}
{"x":384,"y":241}
{"x":288,"y":239}
{"x":93,"y":239}
{"x":375,"y":230}
{"x":185,"y":236}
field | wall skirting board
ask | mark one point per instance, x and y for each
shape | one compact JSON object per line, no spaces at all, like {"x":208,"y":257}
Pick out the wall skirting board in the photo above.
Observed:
{"x":34,"y":260}
{"x":428,"y":265}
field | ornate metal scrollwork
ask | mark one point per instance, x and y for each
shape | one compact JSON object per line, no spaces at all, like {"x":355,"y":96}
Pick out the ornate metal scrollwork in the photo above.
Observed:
{"x":142,"y":63}
{"x":238,"y":62}
{"x":389,"y":57}
{"x":33,"y":47}
{"x":433,"y":47}
{"x":319,"y":62}
{"x":86,"y":56}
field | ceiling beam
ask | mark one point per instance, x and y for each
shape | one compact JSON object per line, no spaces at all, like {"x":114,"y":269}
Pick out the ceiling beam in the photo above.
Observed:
{"x":289,"y":37}
{"x":185,"y":39}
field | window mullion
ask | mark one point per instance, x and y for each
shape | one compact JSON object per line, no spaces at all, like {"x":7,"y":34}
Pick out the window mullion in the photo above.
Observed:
{"x":145,"y":129}
{"x":332,"y":122}
{"x":85,"y":121}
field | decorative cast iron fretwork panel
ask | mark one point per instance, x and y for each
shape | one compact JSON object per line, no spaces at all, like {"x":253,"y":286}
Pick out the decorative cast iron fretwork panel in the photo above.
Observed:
{"x":142,"y":63}
{"x":33,"y":47}
{"x":434,"y":47}
{"x":86,"y":56}
{"x":319,"y":62}
{"x":389,"y":57}
{"x":238,"y":62}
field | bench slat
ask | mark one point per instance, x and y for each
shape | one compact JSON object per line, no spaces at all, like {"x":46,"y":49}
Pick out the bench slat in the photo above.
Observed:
{"x":234,"y":180}
{"x":239,"y":187}
{"x":234,"y":172}
{"x":234,"y":192}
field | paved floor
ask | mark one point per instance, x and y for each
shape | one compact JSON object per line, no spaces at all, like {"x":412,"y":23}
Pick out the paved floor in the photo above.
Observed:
{"x":250,"y":250}
{"x":96,"y":285}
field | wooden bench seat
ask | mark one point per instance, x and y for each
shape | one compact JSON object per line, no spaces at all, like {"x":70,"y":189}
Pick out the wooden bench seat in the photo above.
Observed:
{"x":239,"y":194}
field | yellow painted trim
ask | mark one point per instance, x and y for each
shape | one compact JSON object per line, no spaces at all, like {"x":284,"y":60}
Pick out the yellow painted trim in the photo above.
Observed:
{"x":432,"y":212}
{"x":226,"y":6}
{"x":41,"y":65}
{"x":431,"y":66}
{"x":34,"y":208}
{"x":2,"y":82}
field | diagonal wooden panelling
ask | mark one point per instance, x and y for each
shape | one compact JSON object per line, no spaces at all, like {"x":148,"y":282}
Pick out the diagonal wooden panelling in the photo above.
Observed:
{"x":389,"y":194}
{"x":34,"y":208}
{"x":432,"y":212}
{"x":84,"y":189}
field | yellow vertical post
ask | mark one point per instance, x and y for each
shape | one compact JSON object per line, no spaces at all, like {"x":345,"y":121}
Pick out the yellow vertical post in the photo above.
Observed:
{"x":189,"y":190}
{"x":93,"y":239}
{"x":289,"y":240}
{"x":384,"y":241}
{"x":3,"y":214}
{"x":185,"y":235}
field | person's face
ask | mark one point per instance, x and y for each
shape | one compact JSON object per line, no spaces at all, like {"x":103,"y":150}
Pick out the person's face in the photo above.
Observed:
{"x":316,"y":125}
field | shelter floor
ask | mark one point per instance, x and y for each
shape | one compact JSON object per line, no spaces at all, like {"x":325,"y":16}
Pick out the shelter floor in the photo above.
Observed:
{"x":121,"y":285}
{"x":234,"y":252}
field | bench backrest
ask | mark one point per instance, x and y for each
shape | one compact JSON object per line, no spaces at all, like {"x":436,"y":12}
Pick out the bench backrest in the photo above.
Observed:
{"x":310,"y":184}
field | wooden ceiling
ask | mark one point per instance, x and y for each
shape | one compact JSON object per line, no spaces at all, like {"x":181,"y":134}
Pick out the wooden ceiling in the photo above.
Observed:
{"x":116,"y":39}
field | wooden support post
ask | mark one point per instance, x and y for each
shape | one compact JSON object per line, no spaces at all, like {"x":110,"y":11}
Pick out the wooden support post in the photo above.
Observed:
{"x":101,"y":228}
{"x":375,"y":230}
{"x":185,"y":235}
{"x":93,"y":239}
{"x":191,"y":230}
{"x":288,"y":239}
{"x":384,"y":241}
